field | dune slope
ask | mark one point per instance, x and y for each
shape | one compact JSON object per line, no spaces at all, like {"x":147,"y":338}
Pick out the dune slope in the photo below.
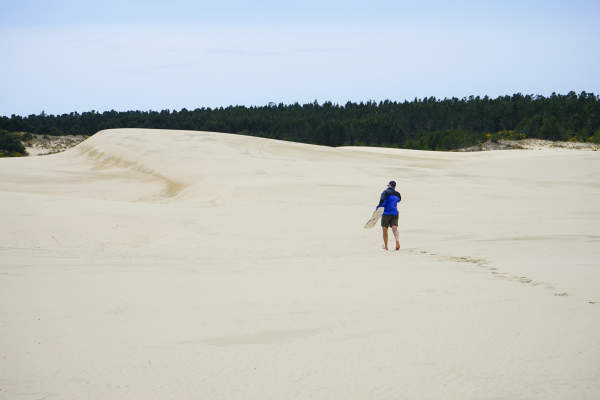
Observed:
{"x":178,"y":264}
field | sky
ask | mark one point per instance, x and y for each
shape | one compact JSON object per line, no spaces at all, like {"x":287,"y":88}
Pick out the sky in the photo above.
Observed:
{"x":62,"y":56}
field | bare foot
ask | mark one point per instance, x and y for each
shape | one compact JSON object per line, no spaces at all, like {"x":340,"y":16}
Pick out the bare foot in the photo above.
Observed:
{"x":383,"y":247}
{"x":397,"y":245}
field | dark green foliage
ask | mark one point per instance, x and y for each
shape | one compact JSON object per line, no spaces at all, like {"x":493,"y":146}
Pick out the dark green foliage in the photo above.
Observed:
{"x":551,"y":128}
{"x":426,"y":123}
{"x":10,"y":144}
{"x":445,"y":140}
{"x":595,"y":138}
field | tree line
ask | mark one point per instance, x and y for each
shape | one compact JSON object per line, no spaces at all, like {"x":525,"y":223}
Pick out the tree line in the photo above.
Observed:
{"x":427,"y":123}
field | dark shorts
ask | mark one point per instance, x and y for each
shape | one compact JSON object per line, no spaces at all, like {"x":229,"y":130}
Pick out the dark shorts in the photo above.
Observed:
{"x":389,"y":220}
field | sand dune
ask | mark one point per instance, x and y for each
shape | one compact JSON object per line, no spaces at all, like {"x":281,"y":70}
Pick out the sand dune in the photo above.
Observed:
{"x":174,"y":264}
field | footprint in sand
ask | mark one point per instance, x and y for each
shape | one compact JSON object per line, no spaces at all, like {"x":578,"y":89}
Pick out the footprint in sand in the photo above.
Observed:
{"x":492,"y":270}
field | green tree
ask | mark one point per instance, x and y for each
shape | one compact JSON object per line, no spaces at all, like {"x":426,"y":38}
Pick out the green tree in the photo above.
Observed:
{"x":10,"y":144}
{"x":551,"y":129}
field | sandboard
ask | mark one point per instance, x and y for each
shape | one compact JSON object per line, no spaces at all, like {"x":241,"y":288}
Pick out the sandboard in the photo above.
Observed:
{"x":374,"y":218}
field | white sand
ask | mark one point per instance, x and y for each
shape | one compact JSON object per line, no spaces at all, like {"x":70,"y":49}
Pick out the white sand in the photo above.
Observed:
{"x":149,"y":264}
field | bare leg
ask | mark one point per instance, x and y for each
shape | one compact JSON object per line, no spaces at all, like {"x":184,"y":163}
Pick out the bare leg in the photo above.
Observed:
{"x":385,"y":237}
{"x":395,"y":232}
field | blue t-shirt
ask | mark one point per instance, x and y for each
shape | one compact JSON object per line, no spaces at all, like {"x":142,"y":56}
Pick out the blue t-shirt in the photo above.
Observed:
{"x":389,"y":201}
{"x":390,"y":205}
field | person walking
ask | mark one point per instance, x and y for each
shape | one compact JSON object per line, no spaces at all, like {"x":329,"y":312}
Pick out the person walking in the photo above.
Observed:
{"x":389,"y":201}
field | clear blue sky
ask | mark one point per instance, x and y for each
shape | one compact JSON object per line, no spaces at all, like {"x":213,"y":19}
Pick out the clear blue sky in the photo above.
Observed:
{"x":62,"y":56}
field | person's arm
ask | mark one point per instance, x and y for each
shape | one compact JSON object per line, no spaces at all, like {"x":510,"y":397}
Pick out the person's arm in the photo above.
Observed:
{"x":381,"y":199}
